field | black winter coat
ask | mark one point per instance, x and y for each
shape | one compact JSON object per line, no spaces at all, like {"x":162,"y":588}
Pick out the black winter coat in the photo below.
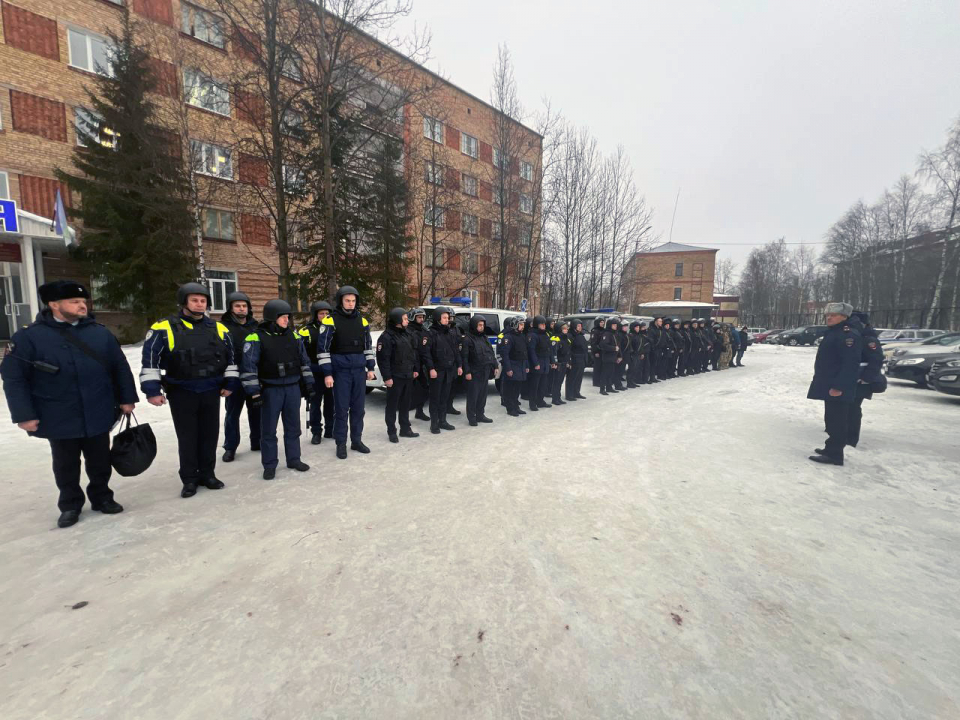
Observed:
{"x":837,"y":366}
{"x":397,"y":355}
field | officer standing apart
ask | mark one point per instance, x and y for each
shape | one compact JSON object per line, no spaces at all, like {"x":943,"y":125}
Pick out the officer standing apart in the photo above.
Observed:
{"x":440,"y":356}
{"x":239,"y":321}
{"x":63,"y":377}
{"x":347,"y":361}
{"x":835,"y":374}
{"x":321,"y":405}
{"x":196,"y":355}
{"x":398,"y":359}
{"x":273,"y":365}
{"x":479,"y":367}
{"x":515,"y":359}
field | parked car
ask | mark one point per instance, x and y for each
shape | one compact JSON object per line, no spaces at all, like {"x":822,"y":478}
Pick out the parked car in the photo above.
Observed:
{"x":944,"y":376}
{"x":753,"y":332}
{"x":892,"y":350}
{"x":906,"y":336}
{"x":805,"y":335}
{"x":764,"y":336}
{"x":913,"y":363}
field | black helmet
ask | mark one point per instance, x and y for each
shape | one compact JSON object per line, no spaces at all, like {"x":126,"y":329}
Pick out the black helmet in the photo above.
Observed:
{"x":613,"y":321}
{"x":476,"y":320}
{"x":192,"y":288}
{"x":634,"y":325}
{"x":412,"y":315}
{"x":537,"y":319}
{"x":318,"y":306}
{"x":861,"y":316}
{"x":237,"y":296}
{"x":439,"y":311}
{"x":275,"y":308}
{"x":396,"y":316}
{"x":347,"y":290}
{"x":643,"y":325}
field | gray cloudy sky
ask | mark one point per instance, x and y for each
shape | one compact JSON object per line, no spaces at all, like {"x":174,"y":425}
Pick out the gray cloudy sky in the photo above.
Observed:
{"x":772,"y":117}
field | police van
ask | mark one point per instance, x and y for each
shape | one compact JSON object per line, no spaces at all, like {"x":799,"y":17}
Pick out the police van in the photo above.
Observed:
{"x":494,"y":323}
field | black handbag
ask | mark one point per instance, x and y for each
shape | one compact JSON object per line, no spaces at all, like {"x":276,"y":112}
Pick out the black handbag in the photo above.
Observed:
{"x":134,"y":449}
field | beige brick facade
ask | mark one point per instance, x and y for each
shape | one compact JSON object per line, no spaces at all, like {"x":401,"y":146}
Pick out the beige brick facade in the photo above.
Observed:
{"x":672,"y":272}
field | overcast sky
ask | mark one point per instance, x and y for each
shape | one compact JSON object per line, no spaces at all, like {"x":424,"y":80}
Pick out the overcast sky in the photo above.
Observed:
{"x":771,"y":118}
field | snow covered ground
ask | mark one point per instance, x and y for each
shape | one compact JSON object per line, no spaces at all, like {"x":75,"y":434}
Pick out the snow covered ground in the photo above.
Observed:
{"x":665,"y":553}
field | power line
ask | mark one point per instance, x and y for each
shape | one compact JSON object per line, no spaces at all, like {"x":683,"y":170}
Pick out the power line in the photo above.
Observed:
{"x":767,"y":243}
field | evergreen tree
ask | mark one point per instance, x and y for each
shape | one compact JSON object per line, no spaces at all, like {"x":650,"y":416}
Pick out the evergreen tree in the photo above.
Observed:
{"x":137,"y":226}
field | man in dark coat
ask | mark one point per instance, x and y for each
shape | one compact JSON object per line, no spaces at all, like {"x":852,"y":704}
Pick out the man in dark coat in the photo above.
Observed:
{"x":321,"y":405}
{"x":541,"y":358}
{"x":398,"y":356}
{"x":420,"y":393}
{"x":636,"y":342}
{"x":835,"y":373}
{"x":239,"y":322}
{"x":515,"y":359}
{"x":66,"y":380}
{"x":440,"y":356}
{"x":479,"y":368}
{"x":655,"y":333}
{"x":579,"y":348}
{"x":610,"y":357}
{"x":872,"y":379}
{"x":596,"y":332}
{"x":560,"y":342}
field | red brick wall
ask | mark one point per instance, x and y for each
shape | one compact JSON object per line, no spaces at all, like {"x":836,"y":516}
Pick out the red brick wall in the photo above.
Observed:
{"x":165,"y":75}
{"x":38,"y":195}
{"x":159,"y":10}
{"x":255,"y":230}
{"x":31,"y":32}
{"x":253,"y":170}
{"x":38,"y":116}
{"x":452,"y":137}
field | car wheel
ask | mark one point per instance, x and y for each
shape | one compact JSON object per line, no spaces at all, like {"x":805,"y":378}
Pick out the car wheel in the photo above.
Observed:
{"x":922,"y":384}
{"x":792,"y":342}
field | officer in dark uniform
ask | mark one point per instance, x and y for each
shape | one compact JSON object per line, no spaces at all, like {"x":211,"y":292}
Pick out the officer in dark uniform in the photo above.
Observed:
{"x":421,"y":386}
{"x":196,"y":356}
{"x":678,"y":347}
{"x":644,"y":375}
{"x":399,"y":360}
{"x":240,"y":322}
{"x":321,"y":405}
{"x":685,"y":365}
{"x":871,"y":378}
{"x":67,"y":380}
{"x":579,"y":348}
{"x":479,"y":367}
{"x":609,"y":357}
{"x":273,"y":369}
{"x":623,"y":343}
{"x":541,"y":357}
{"x":835,"y":374}
{"x":636,"y":343}
{"x":347,"y":360}
{"x":596,"y":332}
{"x":440,"y":355}
{"x":562,"y":352}
{"x":655,"y":333}
{"x":669,"y":354}
{"x":515,"y":360}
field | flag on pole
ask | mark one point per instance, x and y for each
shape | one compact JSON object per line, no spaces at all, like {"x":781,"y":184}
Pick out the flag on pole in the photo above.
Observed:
{"x":59,"y":216}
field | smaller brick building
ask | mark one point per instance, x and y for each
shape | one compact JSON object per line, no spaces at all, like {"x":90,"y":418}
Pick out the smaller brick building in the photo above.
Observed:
{"x":672,"y":271}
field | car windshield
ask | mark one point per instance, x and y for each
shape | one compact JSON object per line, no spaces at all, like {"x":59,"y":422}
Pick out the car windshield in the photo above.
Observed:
{"x":948,"y":339}
{"x":888,"y":334}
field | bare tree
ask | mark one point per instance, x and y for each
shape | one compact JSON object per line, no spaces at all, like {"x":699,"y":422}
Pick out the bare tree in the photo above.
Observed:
{"x":723,"y":275}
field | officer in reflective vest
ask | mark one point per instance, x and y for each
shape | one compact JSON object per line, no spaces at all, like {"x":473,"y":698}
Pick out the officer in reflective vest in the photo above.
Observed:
{"x":321,"y":418}
{"x":190,"y":357}
{"x":240,"y":322}
{"x":347,"y":360}
{"x":272,"y":369}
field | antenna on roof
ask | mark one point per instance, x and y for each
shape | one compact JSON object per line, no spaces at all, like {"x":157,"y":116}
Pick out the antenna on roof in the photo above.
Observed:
{"x":675,"y":203}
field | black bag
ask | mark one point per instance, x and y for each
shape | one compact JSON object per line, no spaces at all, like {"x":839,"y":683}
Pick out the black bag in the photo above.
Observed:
{"x":879,"y":386}
{"x":134,"y":449}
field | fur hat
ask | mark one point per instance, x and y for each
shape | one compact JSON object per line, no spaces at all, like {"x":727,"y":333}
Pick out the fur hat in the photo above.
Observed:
{"x":839,"y":308}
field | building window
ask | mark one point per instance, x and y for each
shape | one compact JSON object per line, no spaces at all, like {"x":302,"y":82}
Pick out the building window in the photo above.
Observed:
{"x":526,"y":170}
{"x":526,"y":204}
{"x":218,"y":224}
{"x":523,"y":268}
{"x":433,"y":173}
{"x":222,"y":283}
{"x":96,"y":296}
{"x":291,"y":66}
{"x":4,"y":187}
{"x":203,"y":91}
{"x":470,"y":263}
{"x":468,"y":145}
{"x":468,"y":224}
{"x":498,"y":158}
{"x":202,"y":25}
{"x":294,"y":180}
{"x":496,"y":228}
{"x":526,"y":235}
{"x":89,"y":52}
{"x":433,"y":129}
{"x":678,"y":270}
{"x":498,"y":195}
{"x":435,"y":257}
{"x":89,"y":125}
{"x":469,"y":184}
{"x":678,"y":293}
{"x":292,"y":123}
{"x":210,"y":159}
{"x":433,"y":216}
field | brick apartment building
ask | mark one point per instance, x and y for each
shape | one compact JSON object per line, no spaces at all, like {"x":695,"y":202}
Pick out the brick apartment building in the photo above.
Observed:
{"x":50,"y":51}
{"x":672,"y":271}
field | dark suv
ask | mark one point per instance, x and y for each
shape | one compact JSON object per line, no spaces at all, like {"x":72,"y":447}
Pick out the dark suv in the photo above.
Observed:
{"x":806,"y":335}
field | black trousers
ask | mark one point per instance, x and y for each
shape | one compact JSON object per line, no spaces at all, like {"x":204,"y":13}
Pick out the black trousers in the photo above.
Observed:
{"x":398,"y":399}
{"x":556,"y":382}
{"x":66,"y":470}
{"x":420,"y":391}
{"x":477,"y":393}
{"x":538,"y":385}
{"x":653,"y":360}
{"x":715,"y":358}
{"x":856,"y":417}
{"x":196,"y":418}
{"x":440,"y":394}
{"x":575,"y":375}
{"x":511,"y":392}
{"x":836,"y":419}
{"x":597,"y":371}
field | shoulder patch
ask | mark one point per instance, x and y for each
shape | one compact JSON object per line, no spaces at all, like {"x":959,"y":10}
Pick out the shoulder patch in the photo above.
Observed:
{"x":9,"y":349}
{"x":849,"y":342}
{"x":379,"y":347}
{"x":846,"y":328}
{"x":247,"y":346}
{"x":872,"y":345}
{"x":424,"y":339}
{"x":149,"y":334}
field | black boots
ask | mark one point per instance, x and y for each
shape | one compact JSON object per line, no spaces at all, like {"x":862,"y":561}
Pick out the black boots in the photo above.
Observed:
{"x":108,"y":507}
{"x":229,"y":455}
{"x":316,"y":439}
{"x":189,"y":490}
{"x":211,"y":483}
{"x":269,"y":474}
{"x":299,"y":466}
{"x":68,"y":518}
{"x":826,"y":460}
{"x":359,"y":447}
{"x":342,"y":451}
{"x":408,"y":433}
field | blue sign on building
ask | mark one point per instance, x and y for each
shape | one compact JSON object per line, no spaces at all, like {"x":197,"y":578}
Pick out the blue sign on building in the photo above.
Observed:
{"x":8,"y":216}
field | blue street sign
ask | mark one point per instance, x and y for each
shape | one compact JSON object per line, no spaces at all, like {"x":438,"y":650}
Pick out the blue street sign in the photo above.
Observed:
{"x":8,"y":216}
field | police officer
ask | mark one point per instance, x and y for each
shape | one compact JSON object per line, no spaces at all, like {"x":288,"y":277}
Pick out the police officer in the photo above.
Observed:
{"x":678,"y":345}
{"x":347,"y":361}
{"x":655,"y":333}
{"x":321,"y":405}
{"x":541,"y":358}
{"x":745,"y":342}
{"x":579,"y":348}
{"x":273,"y":369}
{"x":421,"y":385}
{"x":636,"y":344}
{"x":596,"y":332}
{"x":609,"y":356}
{"x":734,"y":344}
{"x":835,"y":373}
{"x":623,"y":343}
{"x":871,"y":378}
{"x":515,"y":358}
{"x":458,"y":326}
{"x":479,"y":367}
{"x":685,"y":366}
{"x":562,"y":352}
{"x":240,"y":322}
{"x":66,"y":380}
{"x":195,"y":355}
{"x":669,"y":355}
{"x":440,"y":355}
{"x":644,"y":375}
{"x":399,"y":361}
